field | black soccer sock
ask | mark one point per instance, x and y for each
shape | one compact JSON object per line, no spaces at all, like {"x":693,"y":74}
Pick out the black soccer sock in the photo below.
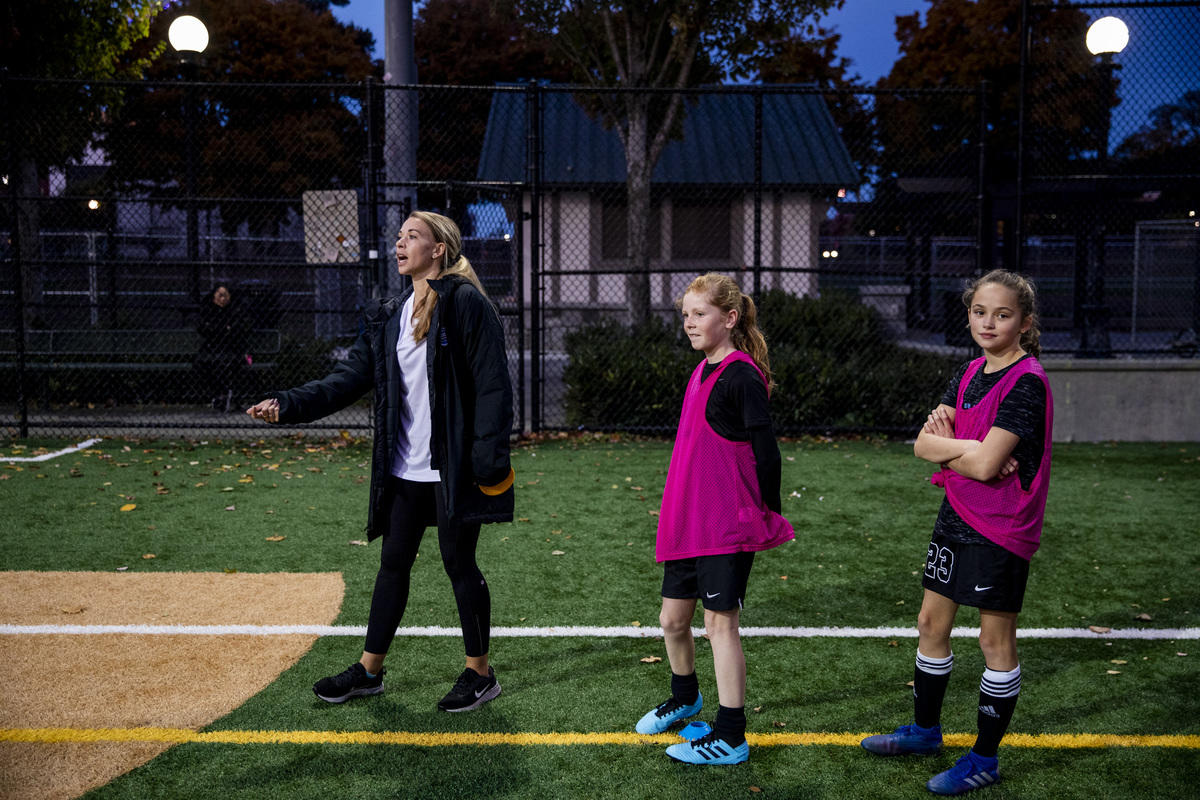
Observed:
{"x":998,"y":692}
{"x":730,"y":724}
{"x":930,"y":678}
{"x":685,"y":688}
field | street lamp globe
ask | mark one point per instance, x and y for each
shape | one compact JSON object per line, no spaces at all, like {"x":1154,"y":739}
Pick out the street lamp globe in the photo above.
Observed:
{"x":188,"y":34}
{"x":1107,"y":35}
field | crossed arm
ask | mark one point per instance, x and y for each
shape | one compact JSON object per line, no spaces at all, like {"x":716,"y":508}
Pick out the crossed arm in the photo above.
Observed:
{"x":982,"y":461}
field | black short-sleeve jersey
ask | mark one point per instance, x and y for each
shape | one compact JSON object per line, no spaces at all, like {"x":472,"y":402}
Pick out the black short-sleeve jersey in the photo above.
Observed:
{"x":1022,"y":412}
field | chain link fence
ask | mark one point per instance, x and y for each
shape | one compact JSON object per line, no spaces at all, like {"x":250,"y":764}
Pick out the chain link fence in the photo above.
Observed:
{"x":854,"y":217}
{"x":1109,"y":184}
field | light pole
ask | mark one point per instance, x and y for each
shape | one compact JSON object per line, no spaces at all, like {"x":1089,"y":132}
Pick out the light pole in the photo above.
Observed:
{"x":189,"y":36}
{"x":1106,"y":37}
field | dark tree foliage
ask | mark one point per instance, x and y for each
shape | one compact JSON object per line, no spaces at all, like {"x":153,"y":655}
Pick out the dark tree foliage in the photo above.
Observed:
{"x":253,"y":144}
{"x":48,"y":125}
{"x":470,"y":43}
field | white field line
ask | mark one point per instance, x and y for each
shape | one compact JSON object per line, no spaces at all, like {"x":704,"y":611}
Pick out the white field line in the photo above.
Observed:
{"x":566,"y":631}
{"x":55,"y":454}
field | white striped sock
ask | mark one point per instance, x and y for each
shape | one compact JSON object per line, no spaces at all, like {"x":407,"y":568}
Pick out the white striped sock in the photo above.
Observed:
{"x":935,"y":666}
{"x":1001,"y":684}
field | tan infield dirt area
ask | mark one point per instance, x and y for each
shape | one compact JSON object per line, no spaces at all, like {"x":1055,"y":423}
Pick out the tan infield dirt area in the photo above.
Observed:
{"x":131,"y":680}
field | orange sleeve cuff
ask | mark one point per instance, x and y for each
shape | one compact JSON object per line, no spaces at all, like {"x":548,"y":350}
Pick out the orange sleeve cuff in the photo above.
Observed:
{"x":501,"y":487}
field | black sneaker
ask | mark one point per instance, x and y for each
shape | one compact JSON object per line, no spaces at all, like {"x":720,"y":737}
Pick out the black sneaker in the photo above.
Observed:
{"x":354,"y":682}
{"x":470,"y":691}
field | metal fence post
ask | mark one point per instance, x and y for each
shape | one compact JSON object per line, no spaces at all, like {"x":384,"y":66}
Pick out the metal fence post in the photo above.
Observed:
{"x":983,"y":244}
{"x":370,"y":192}
{"x":758,"y":189}
{"x":15,"y":251}
{"x":533,"y":177}
{"x":1018,"y":248}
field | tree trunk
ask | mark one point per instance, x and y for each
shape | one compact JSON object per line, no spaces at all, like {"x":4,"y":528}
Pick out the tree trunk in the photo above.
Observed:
{"x":637,"y":196}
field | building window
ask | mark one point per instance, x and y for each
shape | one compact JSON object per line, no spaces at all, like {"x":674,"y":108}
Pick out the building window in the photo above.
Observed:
{"x":700,"y":230}
{"x":614,"y":230}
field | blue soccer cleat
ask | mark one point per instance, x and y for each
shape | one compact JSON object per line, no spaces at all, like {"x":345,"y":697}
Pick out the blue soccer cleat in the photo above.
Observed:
{"x":695,"y":730}
{"x":709,"y":749}
{"x":667,"y":714}
{"x":970,"y":772}
{"x":906,"y":739}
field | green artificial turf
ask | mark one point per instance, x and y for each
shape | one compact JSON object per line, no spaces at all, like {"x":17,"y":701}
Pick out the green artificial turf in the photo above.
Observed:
{"x":1119,"y":542}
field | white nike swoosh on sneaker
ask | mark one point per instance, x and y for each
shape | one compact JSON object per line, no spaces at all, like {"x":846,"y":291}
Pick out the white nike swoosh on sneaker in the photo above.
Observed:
{"x":711,"y":596}
{"x":481,"y":692}
{"x":979,"y":588}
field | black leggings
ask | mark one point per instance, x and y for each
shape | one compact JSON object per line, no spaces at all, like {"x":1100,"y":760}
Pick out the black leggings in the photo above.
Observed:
{"x":412,"y":507}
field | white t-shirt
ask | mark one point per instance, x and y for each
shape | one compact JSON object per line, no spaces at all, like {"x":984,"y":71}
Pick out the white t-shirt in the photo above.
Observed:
{"x":411,"y":458}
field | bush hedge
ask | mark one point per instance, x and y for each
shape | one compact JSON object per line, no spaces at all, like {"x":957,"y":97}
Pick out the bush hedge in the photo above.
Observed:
{"x":835,"y":367}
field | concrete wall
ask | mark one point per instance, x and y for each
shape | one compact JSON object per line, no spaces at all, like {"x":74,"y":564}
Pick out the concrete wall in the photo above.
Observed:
{"x":1147,"y":400}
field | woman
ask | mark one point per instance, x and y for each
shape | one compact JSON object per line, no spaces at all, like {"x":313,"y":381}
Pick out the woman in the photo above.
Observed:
{"x":443,"y":412}
{"x":222,"y":356}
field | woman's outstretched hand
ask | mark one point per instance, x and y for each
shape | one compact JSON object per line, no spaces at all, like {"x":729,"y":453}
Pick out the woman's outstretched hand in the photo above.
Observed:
{"x":266,"y":410}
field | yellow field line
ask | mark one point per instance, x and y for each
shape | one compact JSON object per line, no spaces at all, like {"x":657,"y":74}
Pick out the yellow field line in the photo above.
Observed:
{"x":429,"y":739}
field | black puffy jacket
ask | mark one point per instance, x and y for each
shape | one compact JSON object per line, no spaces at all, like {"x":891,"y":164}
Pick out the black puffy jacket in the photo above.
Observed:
{"x":470,"y":399}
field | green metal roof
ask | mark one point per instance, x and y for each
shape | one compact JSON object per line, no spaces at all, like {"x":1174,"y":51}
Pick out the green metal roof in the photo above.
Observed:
{"x":801,"y":145}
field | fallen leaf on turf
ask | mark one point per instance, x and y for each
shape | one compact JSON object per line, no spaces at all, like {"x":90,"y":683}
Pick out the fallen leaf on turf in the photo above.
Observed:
{"x":522,"y":519}
{"x":557,"y":553}
{"x":276,"y":538}
{"x":227,"y":489}
{"x":129,"y":507}
{"x":1119,"y":661}
{"x":636,"y":624}
{"x":1144,"y":617}
{"x":650,"y":660}
{"x":149,"y":555}
{"x":122,"y":569}
{"x":758,"y":708}
{"x":779,"y":724}
{"x":1099,"y":629}
{"x":652,"y":513}
{"x":755,"y":789}
{"x":358,"y":542}
{"x":1181,"y":654}
{"x":910,"y":683}
{"x":783,"y":577}
{"x":230,"y":571}
{"x":893,"y":643}
{"x":1113,"y":671}
{"x":231,"y":508}
{"x":71,"y":609}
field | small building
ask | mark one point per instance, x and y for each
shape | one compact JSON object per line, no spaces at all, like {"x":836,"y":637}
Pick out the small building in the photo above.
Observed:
{"x":702,"y":196}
